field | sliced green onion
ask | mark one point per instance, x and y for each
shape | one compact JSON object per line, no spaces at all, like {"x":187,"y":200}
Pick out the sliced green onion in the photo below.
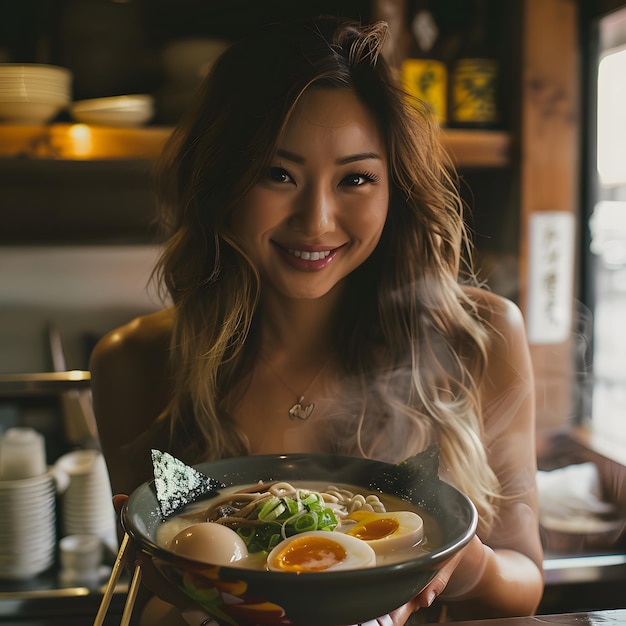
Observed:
{"x":271,"y":509}
{"x":305,"y":522}
{"x":284,"y":517}
{"x":310,"y":498}
{"x":292,"y":506}
{"x":327,"y":520}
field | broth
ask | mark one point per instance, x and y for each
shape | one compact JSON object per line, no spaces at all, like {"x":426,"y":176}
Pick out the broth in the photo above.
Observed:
{"x":193,"y":514}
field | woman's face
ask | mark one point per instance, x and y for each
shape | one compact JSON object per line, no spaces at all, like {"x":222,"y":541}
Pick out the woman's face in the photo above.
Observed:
{"x":319,"y":210}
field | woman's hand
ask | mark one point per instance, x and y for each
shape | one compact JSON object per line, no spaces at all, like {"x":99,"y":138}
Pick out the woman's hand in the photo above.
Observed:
{"x":473,"y":554}
{"x":423,"y":599}
{"x":481,"y":582}
{"x":151,"y":577}
{"x":428,"y":595}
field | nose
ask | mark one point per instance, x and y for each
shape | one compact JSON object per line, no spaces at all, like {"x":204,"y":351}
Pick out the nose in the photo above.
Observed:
{"x":315,"y":211}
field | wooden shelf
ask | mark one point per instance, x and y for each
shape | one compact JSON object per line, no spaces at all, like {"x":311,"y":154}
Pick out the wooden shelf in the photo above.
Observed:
{"x":478,"y":148}
{"x":43,"y":383}
{"x":81,"y":142}
{"x":469,"y":148}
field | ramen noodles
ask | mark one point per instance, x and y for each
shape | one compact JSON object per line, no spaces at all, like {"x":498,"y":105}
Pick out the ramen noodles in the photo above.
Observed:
{"x":298,"y":527}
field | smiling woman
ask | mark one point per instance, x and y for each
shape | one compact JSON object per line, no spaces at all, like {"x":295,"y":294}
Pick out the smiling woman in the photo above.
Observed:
{"x":315,"y":262}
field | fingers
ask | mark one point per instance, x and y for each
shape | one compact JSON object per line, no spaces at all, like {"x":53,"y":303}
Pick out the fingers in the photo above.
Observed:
{"x":437,"y":585}
{"x":429,"y":594}
{"x":469,"y":571}
{"x":400,"y":615}
{"x":152,"y":578}
{"x":118,"y":502}
{"x":473,"y":559}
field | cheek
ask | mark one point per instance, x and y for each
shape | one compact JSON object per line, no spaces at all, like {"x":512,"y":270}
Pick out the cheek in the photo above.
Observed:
{"x":242,"y":216}
{"x":370,"y":218}
{"x":251,"y":217}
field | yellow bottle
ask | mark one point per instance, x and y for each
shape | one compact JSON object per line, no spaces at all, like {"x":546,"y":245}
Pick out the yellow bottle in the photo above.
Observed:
{"x":424,"y":76}
{"x":474,"y":78}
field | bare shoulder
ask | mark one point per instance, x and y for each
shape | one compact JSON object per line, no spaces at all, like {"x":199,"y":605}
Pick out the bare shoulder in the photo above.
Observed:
{"x":509,"y":363}
{"x":134,"y":356}
{"x":497,"y":312}
{"x":137,"y":340}
{"x":130,"y":377}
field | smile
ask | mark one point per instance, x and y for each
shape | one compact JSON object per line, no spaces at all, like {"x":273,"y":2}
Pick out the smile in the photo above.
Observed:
{"x":310,"y":256}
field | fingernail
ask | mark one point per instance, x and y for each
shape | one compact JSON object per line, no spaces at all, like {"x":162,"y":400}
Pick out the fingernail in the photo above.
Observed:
{"x":430,"y":598}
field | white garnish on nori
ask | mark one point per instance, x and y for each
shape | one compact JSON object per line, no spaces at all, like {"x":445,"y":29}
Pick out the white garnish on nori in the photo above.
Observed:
{"x":178,"y":484}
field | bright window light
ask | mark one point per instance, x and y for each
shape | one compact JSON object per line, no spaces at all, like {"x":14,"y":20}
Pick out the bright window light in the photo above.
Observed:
{"x":612,"y":118}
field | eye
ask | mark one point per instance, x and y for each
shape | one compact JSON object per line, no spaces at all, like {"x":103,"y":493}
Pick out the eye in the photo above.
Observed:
{"x":279,"y":175}
{"x":359,"y":179}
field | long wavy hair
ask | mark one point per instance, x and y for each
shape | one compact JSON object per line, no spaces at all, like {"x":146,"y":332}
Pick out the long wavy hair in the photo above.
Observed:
{"x":411,"y":344}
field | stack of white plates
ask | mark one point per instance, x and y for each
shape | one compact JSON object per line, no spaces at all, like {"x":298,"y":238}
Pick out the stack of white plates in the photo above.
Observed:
{"x":86,"y":498}
{"x":125,"y":111}
{"x":33,"y":93}
{"x":27,"y":526}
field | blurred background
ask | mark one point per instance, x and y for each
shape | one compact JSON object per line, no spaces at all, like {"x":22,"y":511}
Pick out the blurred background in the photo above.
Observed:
{"x":91,"y":89}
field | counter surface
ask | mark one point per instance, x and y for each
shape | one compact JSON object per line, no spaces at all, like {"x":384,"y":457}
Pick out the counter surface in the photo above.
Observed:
{"x":617,"y":616}
{"x":599,"y":618}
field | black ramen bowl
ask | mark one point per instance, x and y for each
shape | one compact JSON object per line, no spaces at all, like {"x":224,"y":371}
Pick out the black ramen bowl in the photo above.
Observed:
{"x":235,"y":596}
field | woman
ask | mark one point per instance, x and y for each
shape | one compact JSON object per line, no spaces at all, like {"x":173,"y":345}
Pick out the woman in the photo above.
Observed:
{"x":314,"y":256}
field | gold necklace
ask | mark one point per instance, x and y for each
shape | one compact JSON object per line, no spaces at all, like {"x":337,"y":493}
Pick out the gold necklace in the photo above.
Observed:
{"x":298,"y":410}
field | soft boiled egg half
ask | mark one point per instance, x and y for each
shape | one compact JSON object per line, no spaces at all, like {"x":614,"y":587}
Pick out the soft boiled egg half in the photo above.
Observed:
{"x":387,"y":532}
{"x":210,"y":543}
{"x":320,"y":551}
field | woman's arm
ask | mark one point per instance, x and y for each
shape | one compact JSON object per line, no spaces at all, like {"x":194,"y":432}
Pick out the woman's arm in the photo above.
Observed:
{"x":130,"y":386}
{"x":501,"y":574}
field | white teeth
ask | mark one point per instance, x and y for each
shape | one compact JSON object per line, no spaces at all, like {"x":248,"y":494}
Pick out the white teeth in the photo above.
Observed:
{"x":310,"y":256}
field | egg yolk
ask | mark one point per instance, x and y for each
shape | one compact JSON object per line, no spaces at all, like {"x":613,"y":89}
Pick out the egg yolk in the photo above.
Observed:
{"x":310,"y":554}
{"x":375,"y":529}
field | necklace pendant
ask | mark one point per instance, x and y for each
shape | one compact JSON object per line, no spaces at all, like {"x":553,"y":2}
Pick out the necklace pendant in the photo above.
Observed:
{"x":300,"y":411}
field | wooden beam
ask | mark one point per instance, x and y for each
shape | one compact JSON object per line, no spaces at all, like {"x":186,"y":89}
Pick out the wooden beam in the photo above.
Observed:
{"x":549,"y":170}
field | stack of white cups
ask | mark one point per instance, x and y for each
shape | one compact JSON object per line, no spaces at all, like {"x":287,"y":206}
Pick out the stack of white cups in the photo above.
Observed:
{"x":28,"y":511}
{"x":86,"y":498}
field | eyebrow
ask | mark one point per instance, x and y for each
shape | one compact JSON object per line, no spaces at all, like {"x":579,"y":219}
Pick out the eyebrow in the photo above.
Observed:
{"x":361,"y":156}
